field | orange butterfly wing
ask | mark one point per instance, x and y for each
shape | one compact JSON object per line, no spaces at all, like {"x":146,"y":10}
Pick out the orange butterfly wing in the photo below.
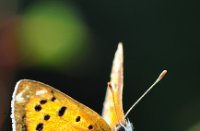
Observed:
{"x":114,"y":115}
{"x":39,"y":107}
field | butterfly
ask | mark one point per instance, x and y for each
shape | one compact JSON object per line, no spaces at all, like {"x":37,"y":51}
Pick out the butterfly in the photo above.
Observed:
{"x":40,"y":107}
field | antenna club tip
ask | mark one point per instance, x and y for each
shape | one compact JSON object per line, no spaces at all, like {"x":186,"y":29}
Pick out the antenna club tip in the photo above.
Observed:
{"x":162,"y":74}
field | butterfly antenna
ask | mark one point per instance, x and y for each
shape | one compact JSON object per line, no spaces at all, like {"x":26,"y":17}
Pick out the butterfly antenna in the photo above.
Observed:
{"x":162,"y":74}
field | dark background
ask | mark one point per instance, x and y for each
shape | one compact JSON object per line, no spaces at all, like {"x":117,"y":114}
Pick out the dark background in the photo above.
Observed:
{"x":157,"y":35}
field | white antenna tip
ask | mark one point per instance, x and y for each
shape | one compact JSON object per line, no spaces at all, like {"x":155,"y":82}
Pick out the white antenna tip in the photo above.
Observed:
{"x":162,"y":74}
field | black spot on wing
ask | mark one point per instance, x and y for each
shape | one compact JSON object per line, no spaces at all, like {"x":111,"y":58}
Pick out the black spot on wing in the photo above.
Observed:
{"x":38,"y":108}
{"x":46,"y":117}
{"x":62,"y":111}
{"x":39,"y":127}
{"x":90,"y":127}
{"x":78,"y":118}
{"x":43,"y":101}
{"x":53,"y":98}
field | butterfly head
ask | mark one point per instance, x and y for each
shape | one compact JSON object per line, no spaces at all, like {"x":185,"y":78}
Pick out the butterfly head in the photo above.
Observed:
{"x":124,"y":127}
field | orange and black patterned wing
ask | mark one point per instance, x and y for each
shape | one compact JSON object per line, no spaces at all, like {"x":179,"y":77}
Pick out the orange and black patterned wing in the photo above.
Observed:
{"x":39,"y":107}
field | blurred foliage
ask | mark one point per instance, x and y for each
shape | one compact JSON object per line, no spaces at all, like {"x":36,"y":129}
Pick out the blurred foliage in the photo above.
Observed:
{"x":196,"y":127}
{"x":53,"y":34}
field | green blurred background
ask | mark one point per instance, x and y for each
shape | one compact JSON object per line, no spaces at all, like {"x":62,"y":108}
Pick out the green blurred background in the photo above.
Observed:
{"x":70,"y":45}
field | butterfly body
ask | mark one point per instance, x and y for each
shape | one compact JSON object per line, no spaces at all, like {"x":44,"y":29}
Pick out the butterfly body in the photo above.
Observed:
{"x":126,"y":127}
